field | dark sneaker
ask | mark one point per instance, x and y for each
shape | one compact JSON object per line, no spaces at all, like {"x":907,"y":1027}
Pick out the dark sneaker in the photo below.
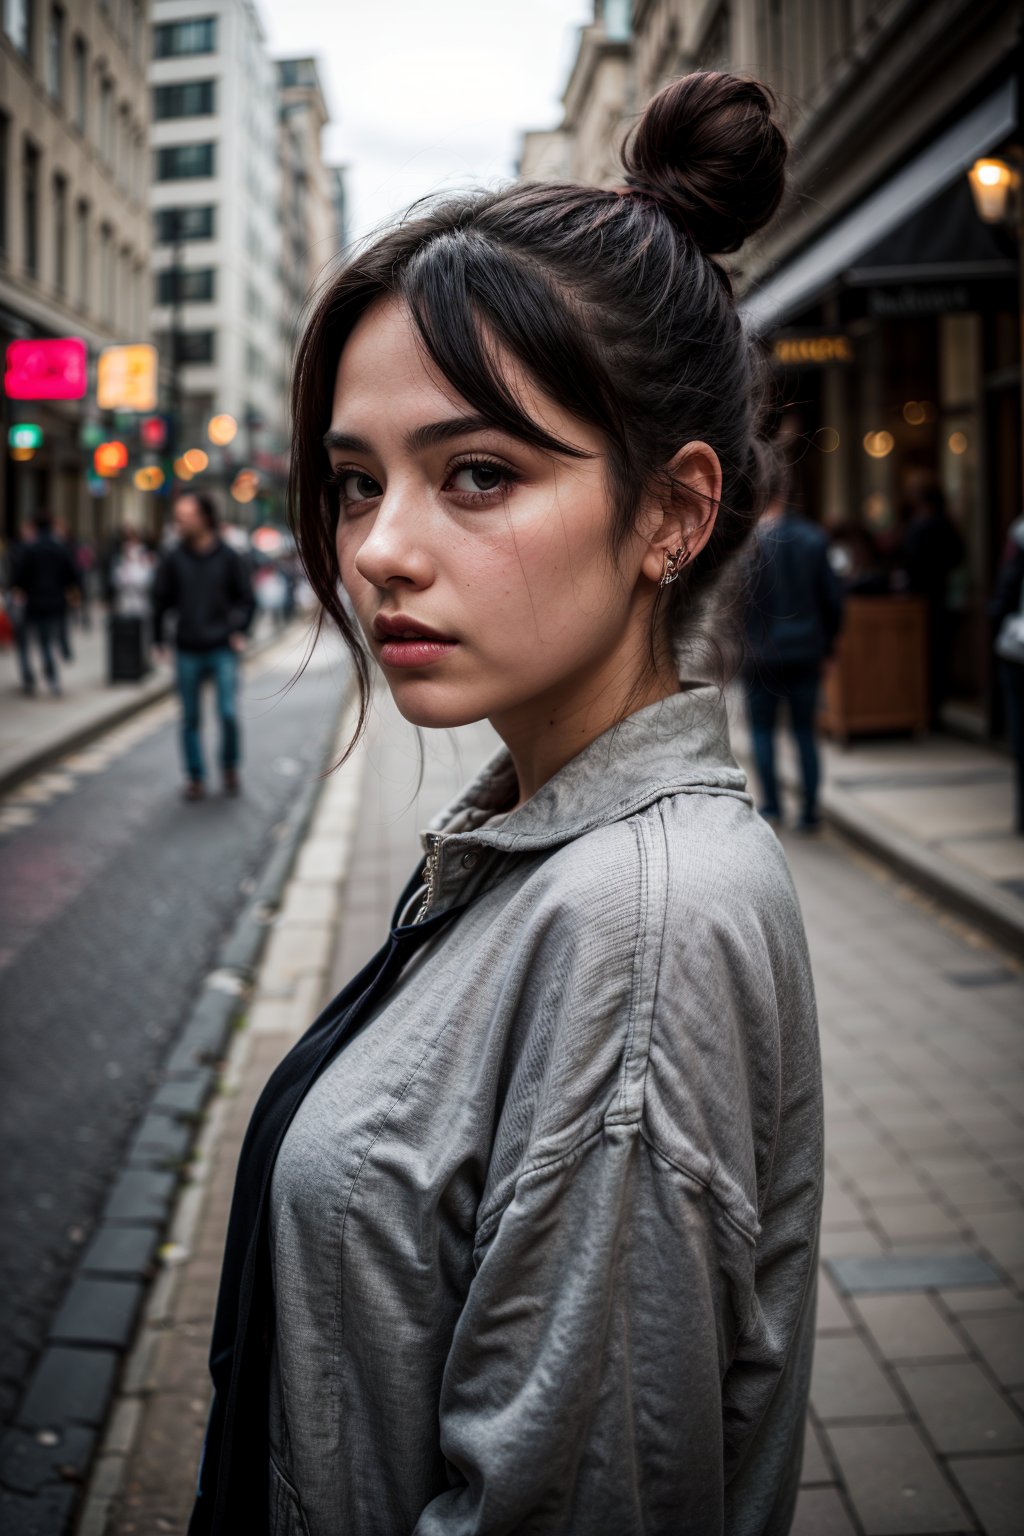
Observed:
{"x":194,"y":790}
{"x":231,"y":784}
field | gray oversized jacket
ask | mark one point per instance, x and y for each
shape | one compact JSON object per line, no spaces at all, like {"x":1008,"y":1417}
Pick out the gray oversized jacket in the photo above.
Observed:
{"x":544,"y":1233}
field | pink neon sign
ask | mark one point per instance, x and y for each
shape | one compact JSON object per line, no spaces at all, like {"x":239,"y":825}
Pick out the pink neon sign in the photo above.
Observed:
{"x":46,"y":370}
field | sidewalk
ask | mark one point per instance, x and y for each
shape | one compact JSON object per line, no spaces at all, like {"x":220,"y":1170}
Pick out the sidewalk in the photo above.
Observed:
{"x":939,"y":810}
{"x":917,"y":1417}
{"x":37,"y":730}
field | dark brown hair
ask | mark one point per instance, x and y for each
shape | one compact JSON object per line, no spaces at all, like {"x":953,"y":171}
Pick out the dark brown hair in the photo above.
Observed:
{"x":612,"y":302}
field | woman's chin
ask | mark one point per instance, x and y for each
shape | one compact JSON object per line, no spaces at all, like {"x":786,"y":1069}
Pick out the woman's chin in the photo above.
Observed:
{"x":422,"y":701}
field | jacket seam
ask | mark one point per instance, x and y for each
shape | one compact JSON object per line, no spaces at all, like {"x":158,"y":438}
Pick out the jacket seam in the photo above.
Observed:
{"x":492,"y":1219}
{"x":636,"y":972}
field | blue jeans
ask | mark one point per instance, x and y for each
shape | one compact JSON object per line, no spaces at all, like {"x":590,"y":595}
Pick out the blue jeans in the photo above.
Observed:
{"x":46,"y":633}
{"x":798,"y":686}
{"x":193,"y":668}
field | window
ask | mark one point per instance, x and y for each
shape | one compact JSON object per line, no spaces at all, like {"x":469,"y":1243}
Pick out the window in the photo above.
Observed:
{"x":5,"y":137}
{"x":254,"y":365}
{"x":106,"y":273}
{"x":79,"y":82}
{"x":173,"y":39}
{"x":106,"y":127}
{"x":195,"y":347}
{"x":18,"y":24}
{"x":82,"y":254}
{"x":60,"y":232}
{"x":55,"y":53}
{"x":188,"y":98}
{"x":176,"y":162}
{"x":124,"y":289}
{"x":195,"y":285}
{"x":138,"y":29}
{"x":30,"y":209}
{"x":170,"y":224}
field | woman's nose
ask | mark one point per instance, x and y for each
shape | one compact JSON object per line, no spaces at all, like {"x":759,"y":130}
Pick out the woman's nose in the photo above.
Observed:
{"x":393,"y":550}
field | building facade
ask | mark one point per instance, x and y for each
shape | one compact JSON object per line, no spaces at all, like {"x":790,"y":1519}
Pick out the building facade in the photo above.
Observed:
{"x":214,"y":197}
{"x":309,"y":236}
{"x":891,"y":306}
{"x":74,"y":230}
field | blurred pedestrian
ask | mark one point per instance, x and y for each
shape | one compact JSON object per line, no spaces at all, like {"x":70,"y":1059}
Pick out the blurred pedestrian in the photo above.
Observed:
{"x":535,"y":1250}
{"x":206,"y":584}
{"x":132,"y":570}
{"x":793,"y":615}
{"x":44,"y":580}
{"x":932,"y":549}
{"x":1007,"y":608}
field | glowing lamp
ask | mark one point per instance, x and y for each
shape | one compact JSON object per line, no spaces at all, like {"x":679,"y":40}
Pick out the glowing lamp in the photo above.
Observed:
{"x":149,"y":478}
{"x":222,"y":429}
{"x":878,"y":444}
{"x":46,"y":370}
{"x":196,"y":460}
{"x":993,"y":185}
{"x":182,"y":470}
{"x":110,"y":458}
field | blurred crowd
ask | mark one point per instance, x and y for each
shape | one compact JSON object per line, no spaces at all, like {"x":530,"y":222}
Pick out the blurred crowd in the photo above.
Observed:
{"x":53,"y":583}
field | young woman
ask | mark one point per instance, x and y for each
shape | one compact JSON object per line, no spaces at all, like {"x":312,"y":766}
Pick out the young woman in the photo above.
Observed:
{"x":524,"y":1232}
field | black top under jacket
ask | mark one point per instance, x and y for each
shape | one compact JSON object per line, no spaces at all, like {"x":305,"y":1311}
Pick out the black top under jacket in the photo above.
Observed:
{"x":231,"y":1490}
{"x":210,"y":590}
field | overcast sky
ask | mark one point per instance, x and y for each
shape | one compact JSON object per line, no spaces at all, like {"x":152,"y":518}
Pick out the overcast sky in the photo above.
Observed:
{"x":425,"y":94}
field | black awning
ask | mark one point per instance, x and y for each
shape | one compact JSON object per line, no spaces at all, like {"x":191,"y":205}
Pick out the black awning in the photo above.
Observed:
{"x":883,"y":212}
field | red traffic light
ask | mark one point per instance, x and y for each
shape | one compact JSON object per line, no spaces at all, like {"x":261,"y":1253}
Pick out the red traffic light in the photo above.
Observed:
{"x":153,"y":432}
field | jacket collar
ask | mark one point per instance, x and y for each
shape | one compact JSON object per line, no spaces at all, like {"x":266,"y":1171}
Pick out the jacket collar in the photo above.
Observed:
{"x":679,"y":744}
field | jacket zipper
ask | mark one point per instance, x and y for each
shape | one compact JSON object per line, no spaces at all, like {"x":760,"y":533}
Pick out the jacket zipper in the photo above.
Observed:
{"x":434,"y":841}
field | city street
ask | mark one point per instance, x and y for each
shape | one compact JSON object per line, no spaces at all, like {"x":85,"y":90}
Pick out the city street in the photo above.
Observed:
{"x":115,"y":898}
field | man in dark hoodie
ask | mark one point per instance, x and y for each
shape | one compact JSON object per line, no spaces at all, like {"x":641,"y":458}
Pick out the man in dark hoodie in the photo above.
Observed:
{"x":42,"y":575}
{"x":794,"y":611}
{"x":207,"y":584}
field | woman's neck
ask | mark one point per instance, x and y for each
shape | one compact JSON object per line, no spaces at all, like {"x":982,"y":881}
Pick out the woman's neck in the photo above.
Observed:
{"x":549,"y":731}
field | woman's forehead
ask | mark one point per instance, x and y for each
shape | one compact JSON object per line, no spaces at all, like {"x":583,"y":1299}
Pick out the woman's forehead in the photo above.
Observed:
{"x":386,"y":373}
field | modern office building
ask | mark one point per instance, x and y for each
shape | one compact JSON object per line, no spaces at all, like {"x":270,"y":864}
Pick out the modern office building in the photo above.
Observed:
{"x":74,"y":230}
{"x":888,"y":286}
{"x":309,"y":236}
{"x":215,"y":193}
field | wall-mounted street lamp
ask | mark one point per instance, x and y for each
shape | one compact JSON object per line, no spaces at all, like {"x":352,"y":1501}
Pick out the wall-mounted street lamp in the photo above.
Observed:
{"x":995,"y":187}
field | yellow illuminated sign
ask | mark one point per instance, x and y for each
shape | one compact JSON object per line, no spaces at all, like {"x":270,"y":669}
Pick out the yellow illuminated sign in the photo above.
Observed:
{"x":126,"y":378}
{"x":793,"y":351}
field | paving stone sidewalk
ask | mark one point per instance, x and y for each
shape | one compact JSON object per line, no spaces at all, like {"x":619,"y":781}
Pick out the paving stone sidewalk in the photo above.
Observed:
{"x":917,"y":1415}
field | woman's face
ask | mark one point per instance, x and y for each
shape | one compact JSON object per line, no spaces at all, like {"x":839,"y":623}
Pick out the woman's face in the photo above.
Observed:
{"x":500,"y":550}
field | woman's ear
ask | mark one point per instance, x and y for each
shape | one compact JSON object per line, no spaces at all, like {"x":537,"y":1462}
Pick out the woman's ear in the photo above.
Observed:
{"x":688,"y":517}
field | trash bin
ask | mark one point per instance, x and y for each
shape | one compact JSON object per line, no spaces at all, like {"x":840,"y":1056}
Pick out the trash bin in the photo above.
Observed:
{"x":128,"y":648}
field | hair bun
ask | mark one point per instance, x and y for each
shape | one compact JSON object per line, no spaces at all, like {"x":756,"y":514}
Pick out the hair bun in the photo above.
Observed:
{"x":710,"y":152}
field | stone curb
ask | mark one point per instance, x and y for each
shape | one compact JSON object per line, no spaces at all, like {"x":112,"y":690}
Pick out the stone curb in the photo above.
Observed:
{"x":46,"y":1454}
{"x":983,"y":905}
{"x":35,"y":759}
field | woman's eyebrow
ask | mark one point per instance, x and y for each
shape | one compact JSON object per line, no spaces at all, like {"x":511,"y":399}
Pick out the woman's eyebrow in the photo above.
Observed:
{"x":418,"y":438}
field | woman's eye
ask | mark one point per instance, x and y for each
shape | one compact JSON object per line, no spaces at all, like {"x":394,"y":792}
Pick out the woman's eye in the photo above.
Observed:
{"x":354,"y":486}
{"x":478,"y":477}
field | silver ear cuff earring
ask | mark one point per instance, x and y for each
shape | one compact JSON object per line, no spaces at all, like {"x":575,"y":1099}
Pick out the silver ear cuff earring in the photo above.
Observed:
{"x":674,"y":561}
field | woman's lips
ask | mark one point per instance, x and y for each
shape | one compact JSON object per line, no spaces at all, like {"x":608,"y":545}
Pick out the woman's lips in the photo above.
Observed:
{"x":417,"y":651}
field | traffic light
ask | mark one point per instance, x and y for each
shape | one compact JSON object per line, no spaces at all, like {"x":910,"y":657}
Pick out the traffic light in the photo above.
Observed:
{"x":153,"y":432}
